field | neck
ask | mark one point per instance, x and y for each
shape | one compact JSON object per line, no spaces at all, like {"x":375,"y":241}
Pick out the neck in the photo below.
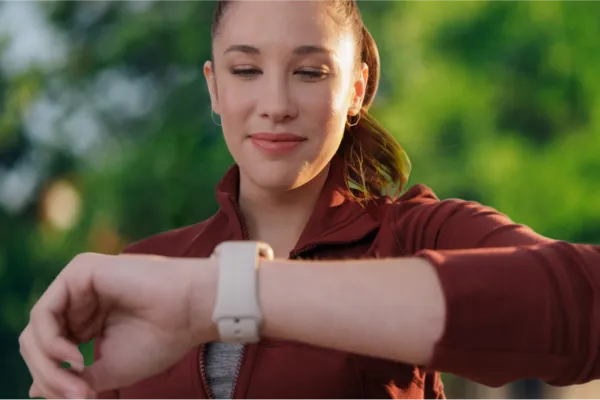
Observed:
{"x":279,"y":218}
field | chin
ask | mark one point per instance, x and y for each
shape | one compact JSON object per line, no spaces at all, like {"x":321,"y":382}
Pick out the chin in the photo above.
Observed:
{"x":282,"y":173}
{"x":280,"y":176}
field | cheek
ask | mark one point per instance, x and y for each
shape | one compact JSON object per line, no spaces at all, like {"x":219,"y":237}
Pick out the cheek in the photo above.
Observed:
{"x":233,"y":125}
{"x":327,"y":107}
{"x":235,"y":105}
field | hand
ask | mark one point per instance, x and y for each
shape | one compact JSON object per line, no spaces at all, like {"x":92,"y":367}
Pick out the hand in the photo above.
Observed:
{"x":147,"y":310}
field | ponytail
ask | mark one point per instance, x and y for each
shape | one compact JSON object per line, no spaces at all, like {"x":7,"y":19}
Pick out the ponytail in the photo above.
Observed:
{"x":376,"y":164}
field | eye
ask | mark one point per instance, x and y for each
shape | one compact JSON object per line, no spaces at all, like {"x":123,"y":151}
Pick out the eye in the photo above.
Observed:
{"x":246,"y":72}
{"x":313,"y":74}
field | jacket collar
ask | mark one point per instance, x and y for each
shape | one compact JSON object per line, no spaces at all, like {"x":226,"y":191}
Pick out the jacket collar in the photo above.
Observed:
{"x":336,"y":219}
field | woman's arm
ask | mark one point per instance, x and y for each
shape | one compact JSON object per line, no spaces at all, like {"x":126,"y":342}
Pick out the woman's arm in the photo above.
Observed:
{"x":390,"y":309}
{"x":495,"y":302}
{"x":521,"y":312}
{"x":548,"y":326}
{"x":546,"y":290}
{"x":492,"y":316}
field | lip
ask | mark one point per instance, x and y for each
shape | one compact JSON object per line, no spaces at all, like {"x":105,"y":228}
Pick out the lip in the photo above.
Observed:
{"x":276,"y":144}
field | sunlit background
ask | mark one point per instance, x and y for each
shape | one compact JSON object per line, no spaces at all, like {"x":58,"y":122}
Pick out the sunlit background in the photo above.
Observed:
{"x":106,"y":135}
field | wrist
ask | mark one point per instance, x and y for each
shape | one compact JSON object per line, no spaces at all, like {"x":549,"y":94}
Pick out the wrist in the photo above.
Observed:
{"x":274,"y":287}
{"x":202,"y":276}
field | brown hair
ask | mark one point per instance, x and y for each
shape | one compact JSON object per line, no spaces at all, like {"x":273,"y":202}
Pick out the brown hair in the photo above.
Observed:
{"x":375,"y":162}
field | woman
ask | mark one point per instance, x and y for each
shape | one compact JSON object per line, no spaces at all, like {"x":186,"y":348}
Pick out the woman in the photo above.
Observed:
{"x":292,"y":82}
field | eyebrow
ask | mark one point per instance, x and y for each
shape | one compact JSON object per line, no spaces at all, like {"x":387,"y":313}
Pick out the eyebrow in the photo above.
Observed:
{"x":300,"y":50}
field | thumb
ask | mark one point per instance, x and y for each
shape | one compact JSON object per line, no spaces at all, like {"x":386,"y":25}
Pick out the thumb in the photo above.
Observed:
{"x":99,"y":378}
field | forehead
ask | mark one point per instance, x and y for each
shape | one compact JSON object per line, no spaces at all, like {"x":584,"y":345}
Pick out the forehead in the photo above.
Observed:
{"x":284,"y":22}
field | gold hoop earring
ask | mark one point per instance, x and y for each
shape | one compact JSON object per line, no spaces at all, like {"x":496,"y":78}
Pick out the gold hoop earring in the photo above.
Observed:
{"x":212,"y":115}
{"x":350,"y":124}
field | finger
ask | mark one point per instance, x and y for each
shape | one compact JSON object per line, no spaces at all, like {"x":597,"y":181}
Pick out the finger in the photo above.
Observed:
{"x":81,"y":309}
{"x":50,"y":378}
{"x":73,"y":285}
{"x":53,"y":380}
{"x":99,"y":378}
{"x":45,"y":316}
{"x":25,"y":344}
{"x":48,"y":330}
{"x":54,"y":345}
{"x":84,"y":331}
{"x":35,"y":391}
{"x":29,"y":354}
{"x":44,"y":385}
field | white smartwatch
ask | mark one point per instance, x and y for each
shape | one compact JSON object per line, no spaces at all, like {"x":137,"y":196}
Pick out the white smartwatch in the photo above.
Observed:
{"x":237,"y":312}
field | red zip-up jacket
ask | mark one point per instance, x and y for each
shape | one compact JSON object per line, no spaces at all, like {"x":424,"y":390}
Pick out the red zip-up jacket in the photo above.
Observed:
{"x":462,"y":239}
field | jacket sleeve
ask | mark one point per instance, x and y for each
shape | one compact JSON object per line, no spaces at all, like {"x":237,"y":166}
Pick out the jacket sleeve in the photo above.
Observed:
{"x":519,"y":305}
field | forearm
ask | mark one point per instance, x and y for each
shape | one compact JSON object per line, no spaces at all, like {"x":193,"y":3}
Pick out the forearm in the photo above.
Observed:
{"x":386,"y":308}
{"x":490,"y":315}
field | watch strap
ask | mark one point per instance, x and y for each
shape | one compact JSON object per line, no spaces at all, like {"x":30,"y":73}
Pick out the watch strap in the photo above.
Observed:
{"x":237,"y":312}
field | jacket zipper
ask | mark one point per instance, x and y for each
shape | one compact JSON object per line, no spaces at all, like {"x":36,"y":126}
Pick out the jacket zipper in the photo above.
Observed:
{"x":203,"y":376}
{"x":245,"y":236}
{"x":237,"y":372}
{"x":203,"y":373}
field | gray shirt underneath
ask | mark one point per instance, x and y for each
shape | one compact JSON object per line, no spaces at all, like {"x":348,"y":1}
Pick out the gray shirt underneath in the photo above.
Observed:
{"x":221,"y":362}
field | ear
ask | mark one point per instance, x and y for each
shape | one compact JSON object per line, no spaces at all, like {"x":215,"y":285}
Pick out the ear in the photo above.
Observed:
{"x":211,"y":83}
{"x":360,"y":89}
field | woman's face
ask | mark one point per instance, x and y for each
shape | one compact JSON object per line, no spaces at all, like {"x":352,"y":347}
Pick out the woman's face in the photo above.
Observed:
{"x":283,"y":82}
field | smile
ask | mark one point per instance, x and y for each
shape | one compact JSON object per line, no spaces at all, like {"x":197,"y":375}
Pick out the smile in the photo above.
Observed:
{"x":276,"y":144}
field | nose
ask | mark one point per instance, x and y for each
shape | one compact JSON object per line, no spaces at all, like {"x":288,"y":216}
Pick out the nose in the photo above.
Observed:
{"x":276,"y":101}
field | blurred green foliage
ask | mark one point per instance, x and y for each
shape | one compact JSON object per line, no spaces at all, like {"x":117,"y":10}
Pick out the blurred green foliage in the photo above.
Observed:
{"x":497,"y":102}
